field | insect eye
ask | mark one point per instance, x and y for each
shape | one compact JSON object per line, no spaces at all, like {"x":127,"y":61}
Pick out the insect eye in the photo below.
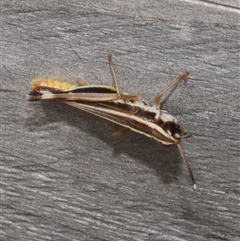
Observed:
{"x":172,"y":129}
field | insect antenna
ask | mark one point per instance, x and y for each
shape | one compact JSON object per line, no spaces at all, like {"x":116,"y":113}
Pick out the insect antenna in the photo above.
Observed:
{"x":187,"y":165}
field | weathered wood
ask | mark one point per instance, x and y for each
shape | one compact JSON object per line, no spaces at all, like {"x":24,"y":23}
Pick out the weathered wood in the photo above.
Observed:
{"x":63,"y":175}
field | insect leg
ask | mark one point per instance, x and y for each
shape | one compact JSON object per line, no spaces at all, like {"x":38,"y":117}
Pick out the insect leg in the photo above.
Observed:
{"x":178,"y":79}
{"x":119,"y":130}
{"x":81,"y":82}
{"x":114,"y":75}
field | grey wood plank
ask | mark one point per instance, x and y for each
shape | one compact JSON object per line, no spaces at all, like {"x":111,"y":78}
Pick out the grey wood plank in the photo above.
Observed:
{"x":63,"y":175}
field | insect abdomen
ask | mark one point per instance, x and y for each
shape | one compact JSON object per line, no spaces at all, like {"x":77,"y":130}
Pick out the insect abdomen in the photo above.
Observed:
{"x":50,"y":84}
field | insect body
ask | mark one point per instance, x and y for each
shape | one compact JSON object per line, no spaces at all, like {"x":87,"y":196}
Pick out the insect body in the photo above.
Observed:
{"x":126,"y":110}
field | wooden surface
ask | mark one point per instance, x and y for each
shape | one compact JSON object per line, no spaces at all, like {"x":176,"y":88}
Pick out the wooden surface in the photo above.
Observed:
{"x":65,"y":177}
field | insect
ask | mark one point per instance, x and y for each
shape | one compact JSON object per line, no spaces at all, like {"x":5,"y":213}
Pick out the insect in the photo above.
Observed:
{"x":127,"y":111}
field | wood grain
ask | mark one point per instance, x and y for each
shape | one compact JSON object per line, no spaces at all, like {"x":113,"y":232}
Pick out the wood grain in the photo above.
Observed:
{"x":65,"y":177}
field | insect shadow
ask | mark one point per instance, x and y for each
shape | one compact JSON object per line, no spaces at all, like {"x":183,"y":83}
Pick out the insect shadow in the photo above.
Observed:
{"x":165,"y":161}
